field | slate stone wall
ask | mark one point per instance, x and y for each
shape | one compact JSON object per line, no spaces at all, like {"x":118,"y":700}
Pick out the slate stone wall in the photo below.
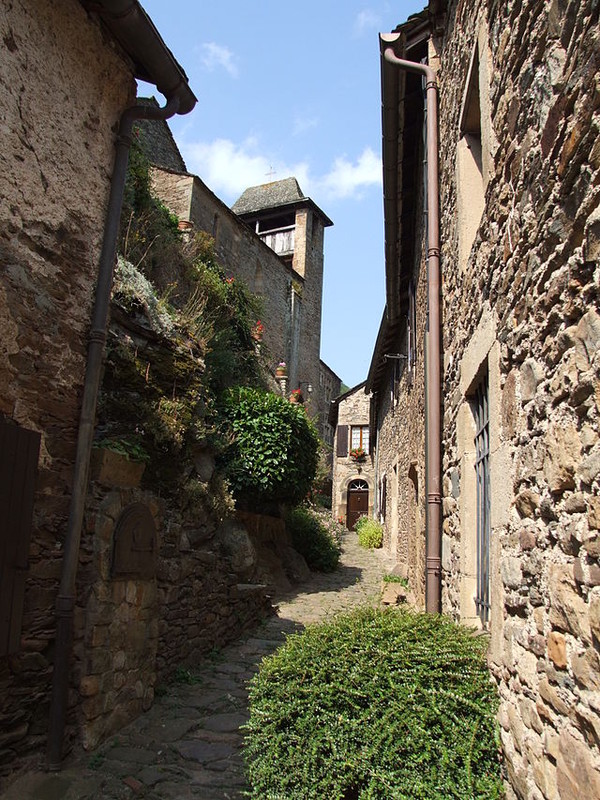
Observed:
{"x":526,"y":307}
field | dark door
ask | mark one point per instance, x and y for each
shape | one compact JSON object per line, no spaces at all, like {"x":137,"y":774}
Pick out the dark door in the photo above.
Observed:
{"x":358,"y":502}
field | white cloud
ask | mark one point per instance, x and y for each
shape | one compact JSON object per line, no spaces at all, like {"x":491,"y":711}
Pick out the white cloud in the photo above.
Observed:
{"x":366,"y":20}
{"x":346,"y":179}
{"x":230,"y":168}
{"x":216,"y":55}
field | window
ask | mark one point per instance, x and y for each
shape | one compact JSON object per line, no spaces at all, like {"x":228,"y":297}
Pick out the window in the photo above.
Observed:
{"x":360,"y":437}
{"x":481,"y":414}
{"x":470,"y":183}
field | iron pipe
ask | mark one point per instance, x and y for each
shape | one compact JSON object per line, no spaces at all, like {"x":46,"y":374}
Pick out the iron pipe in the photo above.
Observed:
{"x":65,"y":603}
{"x":433,"y":397}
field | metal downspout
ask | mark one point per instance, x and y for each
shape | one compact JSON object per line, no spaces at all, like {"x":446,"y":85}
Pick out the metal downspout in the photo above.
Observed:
{"x":97,"y":336}
{"x":433,"y":443}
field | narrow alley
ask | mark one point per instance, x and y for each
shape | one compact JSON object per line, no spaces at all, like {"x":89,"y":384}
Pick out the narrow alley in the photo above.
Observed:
{"x":189,"y":744}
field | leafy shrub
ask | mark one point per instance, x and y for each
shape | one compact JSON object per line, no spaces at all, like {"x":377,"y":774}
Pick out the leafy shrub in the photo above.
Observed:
{"x":370,"y":533}
{"x":377,"y":705}
{"x":273,"y":456}
{"x":312,"y":540}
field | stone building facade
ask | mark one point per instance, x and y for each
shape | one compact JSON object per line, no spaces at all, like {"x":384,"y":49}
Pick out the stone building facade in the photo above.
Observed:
{"x":519,"y":161}
{"x":273,"y":239}
{"x":59,"y":114}
{"x":353,"y":490}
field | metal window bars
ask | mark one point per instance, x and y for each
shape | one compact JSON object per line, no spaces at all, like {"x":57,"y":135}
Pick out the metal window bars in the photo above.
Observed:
{"x":481,"y":413}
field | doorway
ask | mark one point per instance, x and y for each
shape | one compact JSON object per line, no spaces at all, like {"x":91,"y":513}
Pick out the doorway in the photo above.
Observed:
{"x":358,"y":502}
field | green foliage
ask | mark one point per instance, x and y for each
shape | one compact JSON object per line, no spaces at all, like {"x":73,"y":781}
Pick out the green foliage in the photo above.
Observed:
{"x":313,"y":540}
{"x":396,"y":579}
{"x":375,"y":705}
{"x":149,"y":236}
{"x":370,"y":533}
{"x":274,"y":450}
{"x":130,"y":447}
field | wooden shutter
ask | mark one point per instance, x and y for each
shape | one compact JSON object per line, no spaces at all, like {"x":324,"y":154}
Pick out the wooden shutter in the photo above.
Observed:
{"x":19,"y":450}
{"x":342,"y":441}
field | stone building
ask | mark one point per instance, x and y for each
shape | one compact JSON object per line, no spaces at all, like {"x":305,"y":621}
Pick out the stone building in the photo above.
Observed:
{"x":135,"y":596}
{"x":272,"y":238}
{"x":518,"y":446}
{"x":353,"y":490}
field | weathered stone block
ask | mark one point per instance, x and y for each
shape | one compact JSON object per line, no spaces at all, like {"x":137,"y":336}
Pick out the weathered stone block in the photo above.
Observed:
{"x":557,"y":649}
{"x":568,"y":610}
{"x":576,"y":776}
{"x":561,"y":458}
{"x":113,"y":469}
{"x":527,"y":502}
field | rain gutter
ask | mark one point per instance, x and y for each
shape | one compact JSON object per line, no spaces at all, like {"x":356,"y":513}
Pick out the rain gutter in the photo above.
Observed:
{"x":153,"y":62}
{"x":433,"y":404}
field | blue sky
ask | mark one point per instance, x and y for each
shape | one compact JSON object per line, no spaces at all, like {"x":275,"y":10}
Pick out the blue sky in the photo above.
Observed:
{"x":294,"y":89}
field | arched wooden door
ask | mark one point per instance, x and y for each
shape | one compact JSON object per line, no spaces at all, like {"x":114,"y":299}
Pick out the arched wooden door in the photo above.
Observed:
{"x":358,"y":502}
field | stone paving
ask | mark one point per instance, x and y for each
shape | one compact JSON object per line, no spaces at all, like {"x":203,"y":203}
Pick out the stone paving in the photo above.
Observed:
{"x":189,"y":744}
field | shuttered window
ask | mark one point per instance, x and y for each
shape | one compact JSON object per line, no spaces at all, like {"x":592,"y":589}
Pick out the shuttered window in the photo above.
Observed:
{"x":19,"y":450}
{"x":342,"y":441}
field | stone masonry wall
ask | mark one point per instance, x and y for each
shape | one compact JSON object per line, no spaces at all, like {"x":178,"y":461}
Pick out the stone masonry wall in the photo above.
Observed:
{"x":400,"y":437}
{"x":239,"y":251}
{"x":526,"y":307}
{"x":63,"y":88}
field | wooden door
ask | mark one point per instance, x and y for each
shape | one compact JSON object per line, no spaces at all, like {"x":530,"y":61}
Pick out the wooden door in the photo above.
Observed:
{"x":358,"y":502}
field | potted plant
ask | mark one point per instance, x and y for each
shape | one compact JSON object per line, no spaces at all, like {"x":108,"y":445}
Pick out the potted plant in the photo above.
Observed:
{"x":358,"y":454}
{"x":281,"y":369}
{"x":297,"y":397}
{"x":257,"y":331}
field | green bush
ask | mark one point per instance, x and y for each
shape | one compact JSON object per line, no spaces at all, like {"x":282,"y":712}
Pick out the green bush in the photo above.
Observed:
{"x":370,"y":533}
{"x":313,"y":540}
{"x":274,"y":451}
{"x":375,"y":705}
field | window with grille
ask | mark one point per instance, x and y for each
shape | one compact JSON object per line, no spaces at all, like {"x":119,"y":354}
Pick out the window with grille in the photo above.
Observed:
{"x":481,"y":413}
{"x":360,"y":437}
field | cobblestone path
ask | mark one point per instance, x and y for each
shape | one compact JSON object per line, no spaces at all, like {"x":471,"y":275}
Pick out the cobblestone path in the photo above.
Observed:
{"x":189,"y":744}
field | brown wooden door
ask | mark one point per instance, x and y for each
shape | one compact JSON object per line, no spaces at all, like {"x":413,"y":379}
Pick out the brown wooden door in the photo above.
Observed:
{"x":358,"y":502}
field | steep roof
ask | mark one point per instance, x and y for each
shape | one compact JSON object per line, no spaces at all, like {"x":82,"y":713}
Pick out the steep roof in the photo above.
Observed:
{"x":268,"y":195}
{"x":277,"y":194}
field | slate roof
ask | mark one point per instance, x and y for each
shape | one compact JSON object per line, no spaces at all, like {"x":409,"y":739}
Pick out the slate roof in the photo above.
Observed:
{"x":268,"y":195}
{"x":277,"y":194}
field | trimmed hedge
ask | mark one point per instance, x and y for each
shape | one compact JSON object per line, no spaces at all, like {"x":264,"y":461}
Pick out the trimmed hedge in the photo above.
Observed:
{"x":388,"y":705}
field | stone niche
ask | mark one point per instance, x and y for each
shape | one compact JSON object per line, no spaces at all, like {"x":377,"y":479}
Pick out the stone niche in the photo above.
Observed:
{"x":121,"y":620}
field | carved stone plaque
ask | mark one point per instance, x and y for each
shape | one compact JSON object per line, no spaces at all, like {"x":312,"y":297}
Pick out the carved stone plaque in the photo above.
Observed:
{"x":134,"y":549}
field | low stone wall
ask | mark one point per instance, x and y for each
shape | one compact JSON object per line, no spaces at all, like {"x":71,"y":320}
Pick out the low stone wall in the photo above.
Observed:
{"x":156,"y":593}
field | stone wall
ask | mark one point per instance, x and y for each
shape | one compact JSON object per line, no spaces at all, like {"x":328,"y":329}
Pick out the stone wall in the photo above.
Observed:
{"x":524,"y":308}
{"x":192,"y":595}
{"x":58,"y":117}
{"x":400,"y":442}
{"x":239,"y":252}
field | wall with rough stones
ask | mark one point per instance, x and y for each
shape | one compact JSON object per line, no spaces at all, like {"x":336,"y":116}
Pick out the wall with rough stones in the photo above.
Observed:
{"x":136,"y":630}
{"x":63,"y":87}
{"x":525,"y":307}
{"x":400,"y":441}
